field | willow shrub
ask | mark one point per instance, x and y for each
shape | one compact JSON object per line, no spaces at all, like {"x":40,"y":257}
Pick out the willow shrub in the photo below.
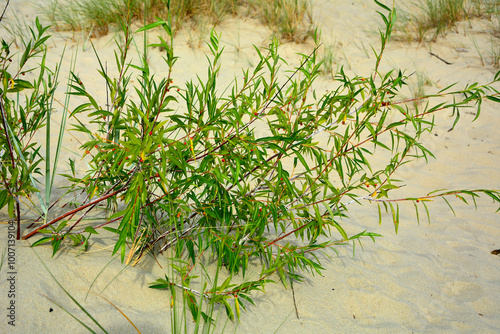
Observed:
{"x":202,"y":184}
{"x":21,"y":118}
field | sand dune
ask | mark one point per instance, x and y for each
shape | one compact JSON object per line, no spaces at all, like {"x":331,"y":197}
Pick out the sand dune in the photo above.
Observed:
{"x":440,"y":277}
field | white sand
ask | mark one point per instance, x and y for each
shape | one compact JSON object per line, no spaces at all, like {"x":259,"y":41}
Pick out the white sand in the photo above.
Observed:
{"x":428,"y":278}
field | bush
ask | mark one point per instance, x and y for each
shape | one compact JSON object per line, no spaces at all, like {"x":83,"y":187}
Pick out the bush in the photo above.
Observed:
{"x":204,"y":183}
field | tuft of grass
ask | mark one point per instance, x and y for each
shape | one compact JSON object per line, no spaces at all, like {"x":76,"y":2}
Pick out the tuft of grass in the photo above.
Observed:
{"x":330,"y":63}
{"x":478,"y":49}
{"x":494,"y":52}
{"x":482,"y":8}
{"x":291,"y":20}
{"x":333,"y":59}
{"x":418,"y":88}
{"x":199,"y":32}
{"x":495,"y":23}
{"x":92,"y":16}
{"x":489,"y":56}
{"x":432,"y":16}
{"x":193,"y":11}
{"x":329,"y":55}
{"x":427,"y":19}
{"x":494,"y":9}
{"x":19,"y":30}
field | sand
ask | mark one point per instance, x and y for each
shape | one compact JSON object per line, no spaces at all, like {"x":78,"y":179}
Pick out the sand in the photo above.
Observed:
{"x":438,"y":277}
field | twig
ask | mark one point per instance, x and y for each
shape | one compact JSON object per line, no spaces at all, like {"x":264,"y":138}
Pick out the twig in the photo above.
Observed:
{"x":124,"y":315}
{"x":11,"y":151}
{"x":444,"y":61}
{"x":294,"y":303}
{"x":4,"y":10}
{"x":69,"y":213}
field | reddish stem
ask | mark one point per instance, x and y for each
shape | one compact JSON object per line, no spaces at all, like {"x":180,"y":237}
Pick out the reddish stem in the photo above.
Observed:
{"x":29,"y":235}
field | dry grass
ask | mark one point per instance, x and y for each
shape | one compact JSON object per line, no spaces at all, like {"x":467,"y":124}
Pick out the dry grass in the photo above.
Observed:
{"x":291,"y":20}
{"x":425,"y":20}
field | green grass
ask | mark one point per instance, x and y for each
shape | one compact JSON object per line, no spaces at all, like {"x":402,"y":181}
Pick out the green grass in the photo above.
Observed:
{"x":432,"y":17}
{"x":494,"y":52}
{"x":419,"y":86}
{"x":290,"y":20}
{"x":428,"y":19}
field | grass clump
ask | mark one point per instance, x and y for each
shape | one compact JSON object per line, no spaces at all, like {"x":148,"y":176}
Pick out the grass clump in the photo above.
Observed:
{"x":289,"y":19}
{"x":430,"y":18}
{"x":261,"y":176}
{"x":435,"y":16}
{"x":330,"y":55}
{"x":92,"y":16}
{"x":418,"y":87}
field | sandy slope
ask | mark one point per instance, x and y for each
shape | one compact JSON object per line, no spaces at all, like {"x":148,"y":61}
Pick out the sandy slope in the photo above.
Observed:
{"x":428,"y":278}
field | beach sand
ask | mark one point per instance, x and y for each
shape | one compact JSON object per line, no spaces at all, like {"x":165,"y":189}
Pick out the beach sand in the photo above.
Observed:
{"x":438,"y":277}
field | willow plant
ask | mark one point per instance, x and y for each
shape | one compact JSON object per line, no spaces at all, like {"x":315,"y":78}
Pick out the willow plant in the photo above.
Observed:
{"x":265,"y":172}
{"x":22,"y":117}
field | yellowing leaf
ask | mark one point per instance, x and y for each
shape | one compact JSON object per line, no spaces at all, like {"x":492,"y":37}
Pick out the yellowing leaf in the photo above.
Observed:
{"x":237,"y":305}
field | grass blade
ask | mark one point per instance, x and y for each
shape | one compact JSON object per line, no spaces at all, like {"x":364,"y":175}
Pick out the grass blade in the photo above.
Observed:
{"x":68,"y":294}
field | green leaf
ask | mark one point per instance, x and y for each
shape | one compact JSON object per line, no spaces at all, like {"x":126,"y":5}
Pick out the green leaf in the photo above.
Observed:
{"x":493,"y":98}
{"x":20,"y":85}
{"x":444,"y":198}
{"x":55,"y":245}
{"x":110,"y":229}
{"x":383,"y":6}
{"x":91,"y":230}
{"x":61,"y":226}
{"x":225,"y":284}
{"x":160,"y":284}
{"x":152,"y":25}
{"x":3,"y":198}
{"x":41,"y":241}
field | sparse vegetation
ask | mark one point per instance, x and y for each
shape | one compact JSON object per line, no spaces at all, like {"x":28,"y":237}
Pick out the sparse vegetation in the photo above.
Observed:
{"x":427,"y":19}
{"x":289,"y":19}
{"x":419,"y":86}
